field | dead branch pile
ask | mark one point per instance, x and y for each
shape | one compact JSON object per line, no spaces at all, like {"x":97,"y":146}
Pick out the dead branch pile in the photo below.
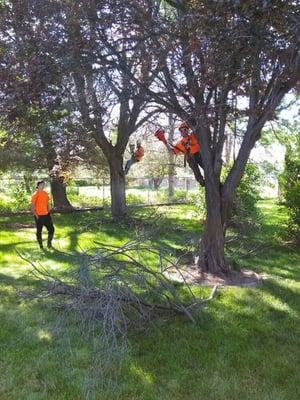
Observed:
{"x":120,"y":285}
{"x":113,"y":289}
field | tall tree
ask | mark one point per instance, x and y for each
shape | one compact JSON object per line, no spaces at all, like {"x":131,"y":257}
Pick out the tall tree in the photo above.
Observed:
{"x":218,"y":54}
{"x":105,"y":97}
{"x":61,"y":52}
{"x":30,"y":95}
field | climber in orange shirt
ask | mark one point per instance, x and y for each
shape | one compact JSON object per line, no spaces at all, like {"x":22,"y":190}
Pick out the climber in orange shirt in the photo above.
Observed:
{"x":187,"y":145}
{"x":136,"y":155}
{"x":40,"y":208}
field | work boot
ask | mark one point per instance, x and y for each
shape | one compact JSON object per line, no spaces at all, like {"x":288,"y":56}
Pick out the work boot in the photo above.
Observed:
{"x":41,"y":245}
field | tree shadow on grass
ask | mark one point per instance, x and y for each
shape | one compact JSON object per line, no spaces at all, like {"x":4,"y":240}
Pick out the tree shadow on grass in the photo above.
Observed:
{"x":285,"y":294}
{"x":245,"y":345}
{"x":10,"y":287}
{"x":12,"y":246}
{"x":277,"y":260}
{"x":40,"y":356}
{"x":242,"y":348}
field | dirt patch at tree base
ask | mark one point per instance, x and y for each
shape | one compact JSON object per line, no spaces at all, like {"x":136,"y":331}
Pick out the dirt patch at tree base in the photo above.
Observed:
{"x":192,"y":274}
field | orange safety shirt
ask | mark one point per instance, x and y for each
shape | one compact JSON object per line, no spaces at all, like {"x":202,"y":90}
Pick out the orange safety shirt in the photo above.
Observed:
{"x":40,"y":202}
{"x":139,"y":153}
{"x":187,"y":145}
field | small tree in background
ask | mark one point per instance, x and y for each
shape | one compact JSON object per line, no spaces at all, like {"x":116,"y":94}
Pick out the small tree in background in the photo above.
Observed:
{"x":154,"y":164}
{"x":290,"y":184}
{"x":245,"y":215}
{"x":286,"y":133}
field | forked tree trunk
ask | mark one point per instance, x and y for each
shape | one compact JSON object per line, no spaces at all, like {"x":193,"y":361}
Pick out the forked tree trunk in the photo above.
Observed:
{"x":117,"y":189}
{"x":59,"y":193}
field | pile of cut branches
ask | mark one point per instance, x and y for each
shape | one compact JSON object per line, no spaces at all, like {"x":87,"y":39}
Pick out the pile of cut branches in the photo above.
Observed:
{"x":113,"y":289}
{"x":119,"y":286}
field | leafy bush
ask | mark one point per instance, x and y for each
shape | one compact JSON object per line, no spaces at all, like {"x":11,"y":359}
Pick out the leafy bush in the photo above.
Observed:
{"x":72,"y":190}
{"x":20,"y":199}
{"x":290,"y":187}
{"x":6,"y":205}
{"x":245,"y":214}
{"x":81,"y":200}
{"x":20,"y":194}
{"x":198,"y":199}
{"x":162,"y":196}
{"x":180,"y":195}
{"x":134,"y":199}
{"x":17,"y":199}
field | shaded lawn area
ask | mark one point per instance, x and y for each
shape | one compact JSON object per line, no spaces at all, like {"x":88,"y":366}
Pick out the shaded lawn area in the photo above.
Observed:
{"x":245,"y":346}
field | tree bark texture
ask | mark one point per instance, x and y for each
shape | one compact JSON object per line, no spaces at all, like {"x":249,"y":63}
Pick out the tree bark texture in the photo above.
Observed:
{"x":117,"y":188}
{"x":57,"y":184}
{"x":171,"y":158}
{"x":211,"y":255}
{"x":59,"y":194}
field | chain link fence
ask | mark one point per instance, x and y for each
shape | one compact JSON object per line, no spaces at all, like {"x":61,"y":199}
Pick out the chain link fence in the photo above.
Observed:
{"x":143,"y":190}
{"x":15,"y":193}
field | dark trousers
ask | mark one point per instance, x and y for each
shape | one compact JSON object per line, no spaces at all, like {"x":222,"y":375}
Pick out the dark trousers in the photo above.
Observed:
{"x":44,"y":220}
{"x":129,"y":163}
{"x":195,"y":161}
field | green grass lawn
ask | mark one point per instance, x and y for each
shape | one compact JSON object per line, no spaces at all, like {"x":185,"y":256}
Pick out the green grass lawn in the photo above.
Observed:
{"x":246,"y":344}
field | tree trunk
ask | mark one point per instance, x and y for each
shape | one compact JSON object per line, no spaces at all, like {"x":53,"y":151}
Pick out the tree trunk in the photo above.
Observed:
{"x":171,"y":176}
{"x":211,"y":255}
{"x":157,"y":182}
{"x":58,"y":187}
{"x":171,"y":169}
{"x":117,"y":189}
{"x":59,"y":194}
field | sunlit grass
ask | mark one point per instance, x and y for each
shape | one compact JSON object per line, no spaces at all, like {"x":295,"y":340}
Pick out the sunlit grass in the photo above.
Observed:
{"x":246,"y":344}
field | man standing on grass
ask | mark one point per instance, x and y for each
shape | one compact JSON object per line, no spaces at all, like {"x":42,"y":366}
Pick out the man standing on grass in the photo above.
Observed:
{"x":40,"y":208}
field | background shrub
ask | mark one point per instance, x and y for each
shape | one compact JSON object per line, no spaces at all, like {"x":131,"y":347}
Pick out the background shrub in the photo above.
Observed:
{"x":290,"y":187}
{"x":245,"y":214}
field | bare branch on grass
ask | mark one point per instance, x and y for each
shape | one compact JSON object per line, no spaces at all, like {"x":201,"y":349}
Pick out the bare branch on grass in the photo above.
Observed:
{"x":114,"y":289}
